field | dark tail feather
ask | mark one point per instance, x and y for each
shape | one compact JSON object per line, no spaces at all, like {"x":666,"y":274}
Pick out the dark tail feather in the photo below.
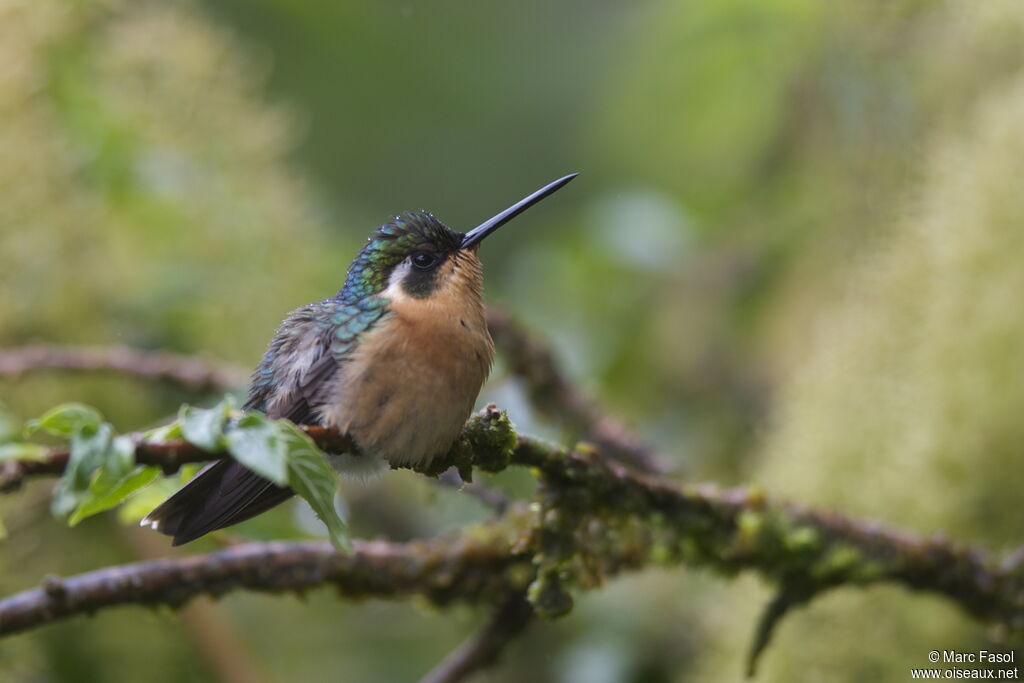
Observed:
{"x":222,"y":494}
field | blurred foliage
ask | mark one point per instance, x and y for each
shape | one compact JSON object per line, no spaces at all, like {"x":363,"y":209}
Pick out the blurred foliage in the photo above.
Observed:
{"x":794,"y":237}
{"x":908,"y":407}
{"x":145,"y":190}
{"x":101,"y":470}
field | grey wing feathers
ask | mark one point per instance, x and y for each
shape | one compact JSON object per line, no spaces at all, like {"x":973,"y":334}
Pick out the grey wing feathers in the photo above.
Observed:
{"x":294,"y":378}
{"x":297,"y":369}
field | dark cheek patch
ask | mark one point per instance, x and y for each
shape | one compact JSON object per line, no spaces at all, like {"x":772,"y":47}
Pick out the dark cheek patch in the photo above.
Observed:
{"x":422,"y":283}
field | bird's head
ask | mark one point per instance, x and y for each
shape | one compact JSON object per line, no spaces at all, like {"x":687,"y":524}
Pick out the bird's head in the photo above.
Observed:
{"x":416,"y":255}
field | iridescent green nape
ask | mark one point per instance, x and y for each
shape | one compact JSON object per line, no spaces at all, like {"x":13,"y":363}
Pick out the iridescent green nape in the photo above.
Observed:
{"x":388,"y":245}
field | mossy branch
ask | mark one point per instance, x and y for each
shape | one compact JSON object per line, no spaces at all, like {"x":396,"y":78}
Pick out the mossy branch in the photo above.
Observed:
{"x":443,"y":571}
{"x":592,"y":519}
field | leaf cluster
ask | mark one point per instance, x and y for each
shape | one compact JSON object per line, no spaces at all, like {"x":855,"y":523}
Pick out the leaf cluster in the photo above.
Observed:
{"x":102,"y":472}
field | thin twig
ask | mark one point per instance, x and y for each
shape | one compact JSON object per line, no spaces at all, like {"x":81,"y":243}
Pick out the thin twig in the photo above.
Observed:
{"x":488,"y":495}
{"x":784,"y":602}
{"x":551,"y":392}
{"x":528,"y":357}
{"x":191,"y":372}
{"x":169,"y":456}
{"x":482,"y":650}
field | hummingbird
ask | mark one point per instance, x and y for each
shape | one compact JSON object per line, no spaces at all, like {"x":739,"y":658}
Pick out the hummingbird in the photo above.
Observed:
{"x":395,"y":359}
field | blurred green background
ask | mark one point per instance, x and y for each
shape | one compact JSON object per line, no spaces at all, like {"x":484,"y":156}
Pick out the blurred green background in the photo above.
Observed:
{"x":793,"y":257}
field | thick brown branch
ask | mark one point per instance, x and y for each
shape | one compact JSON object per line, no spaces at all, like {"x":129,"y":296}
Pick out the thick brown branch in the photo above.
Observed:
{"x":190,"y":372}
{"x":443,"y":571}
{"x":596,"y":517}
{"x":555,"y":396}
{"x":803,"y":548}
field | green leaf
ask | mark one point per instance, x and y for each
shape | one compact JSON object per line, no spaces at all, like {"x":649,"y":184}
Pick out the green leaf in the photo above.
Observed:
{"x":101,"y":473}
{"x":3,"y":530}
{"x":107,"y":491}
{"x":163,"y":434}
{"x":205,"y":427}
{"x":22,"y":451}
{"x":312,"y":478}
{"x":89,"y":446}
{"x":142,"y":503}
{"x":65,"y":420}
{"x":258,"y":443}
{"x":120,"y":457}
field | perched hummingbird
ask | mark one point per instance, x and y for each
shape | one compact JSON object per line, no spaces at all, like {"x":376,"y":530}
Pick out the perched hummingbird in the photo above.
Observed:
{"x":395,"y":359}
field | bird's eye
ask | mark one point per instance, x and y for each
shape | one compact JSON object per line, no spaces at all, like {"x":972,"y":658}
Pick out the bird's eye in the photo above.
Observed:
{"x":424,"y":260}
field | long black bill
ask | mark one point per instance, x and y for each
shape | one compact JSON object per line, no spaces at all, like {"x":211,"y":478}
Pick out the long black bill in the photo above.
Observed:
{"x":487,"y":227}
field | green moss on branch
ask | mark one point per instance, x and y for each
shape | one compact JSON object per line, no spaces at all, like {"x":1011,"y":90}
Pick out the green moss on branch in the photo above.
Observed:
{"x":590,"y":520}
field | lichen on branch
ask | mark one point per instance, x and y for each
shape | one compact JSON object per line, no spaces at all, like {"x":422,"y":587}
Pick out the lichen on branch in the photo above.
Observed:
{"x":590,"y":520}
